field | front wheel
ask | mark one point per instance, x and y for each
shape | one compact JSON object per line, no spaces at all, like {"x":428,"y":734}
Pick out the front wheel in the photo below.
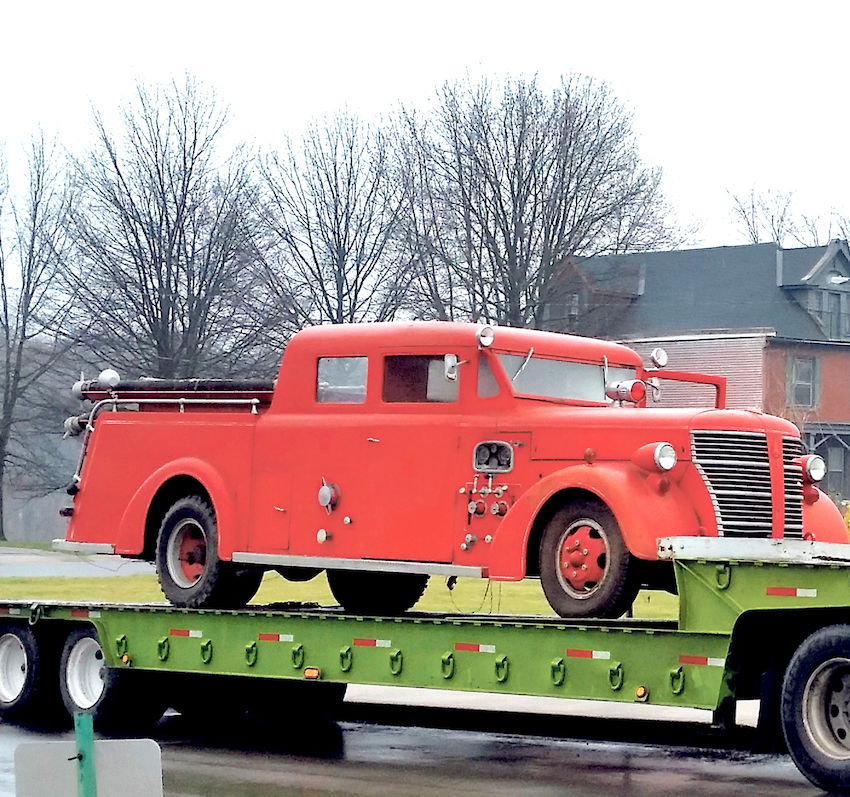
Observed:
{"x":815,"y":708}
{"x":585,"y":568}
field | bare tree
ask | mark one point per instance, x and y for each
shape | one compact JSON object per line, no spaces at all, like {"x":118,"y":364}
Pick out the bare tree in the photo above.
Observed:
{"x":504,"y":186}
{"x":166,"y":239}
{"x":333,"y":203}
{"x":765,"y":216}
{"x":34,"y":307}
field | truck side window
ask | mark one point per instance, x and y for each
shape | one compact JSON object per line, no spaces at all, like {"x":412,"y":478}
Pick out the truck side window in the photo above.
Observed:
{"x":487,"y":384}
{"x":417,"y":378}
{"x":341,"y":380}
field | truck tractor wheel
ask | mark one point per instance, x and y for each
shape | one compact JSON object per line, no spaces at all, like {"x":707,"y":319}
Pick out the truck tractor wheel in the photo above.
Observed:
{"x":190,"y":573}
{"x":815,"y":708}
{"x":116,"y":700}
{"x":585,"y":568}
{"x":28,"y":684}
{"x":376,"y":593}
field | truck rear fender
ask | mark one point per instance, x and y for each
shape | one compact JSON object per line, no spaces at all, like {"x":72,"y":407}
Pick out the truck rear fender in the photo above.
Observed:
{"x":141,"y":520}
{"x":643,"y":511}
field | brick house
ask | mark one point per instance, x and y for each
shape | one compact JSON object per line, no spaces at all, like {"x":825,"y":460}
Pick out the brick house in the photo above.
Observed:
{"x":774,"y":321}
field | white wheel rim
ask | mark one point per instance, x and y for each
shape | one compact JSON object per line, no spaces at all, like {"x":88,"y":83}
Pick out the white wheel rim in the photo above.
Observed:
{"x":85,"y":673}
{"x":826,"y":708}
{"x":13,"y":667}
{"x":182,"y":552}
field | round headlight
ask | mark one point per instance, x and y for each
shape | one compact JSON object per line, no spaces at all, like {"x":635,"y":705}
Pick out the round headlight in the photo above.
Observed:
{"x":109,"y":378}
{"x":665,"y":457}
{"x":814,"y":468}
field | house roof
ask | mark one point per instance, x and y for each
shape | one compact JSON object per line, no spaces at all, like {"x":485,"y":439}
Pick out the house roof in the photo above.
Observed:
{"x":727,"y":287}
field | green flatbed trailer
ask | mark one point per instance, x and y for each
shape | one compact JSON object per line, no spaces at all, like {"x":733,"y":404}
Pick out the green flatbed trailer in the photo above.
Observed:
{"x":765,"y":619}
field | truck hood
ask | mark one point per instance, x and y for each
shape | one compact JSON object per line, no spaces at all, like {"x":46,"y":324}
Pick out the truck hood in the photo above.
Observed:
{"x":615,"y":433}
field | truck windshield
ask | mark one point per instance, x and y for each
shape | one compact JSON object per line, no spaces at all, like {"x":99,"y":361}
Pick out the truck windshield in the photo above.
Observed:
{"x":561,"y":379}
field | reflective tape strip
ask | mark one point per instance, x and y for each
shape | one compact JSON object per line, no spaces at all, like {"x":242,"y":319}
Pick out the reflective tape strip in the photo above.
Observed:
{"x":791,"y":592}
{"x":703,"y":661}
{"x":372,"y":643}
{"x":85,"y":613}
{"x":578,"y":653}
{"x":14,"y":611}
{"x":473,"y":648}
{"x":185,"y":632}
{"x":275,"y":637}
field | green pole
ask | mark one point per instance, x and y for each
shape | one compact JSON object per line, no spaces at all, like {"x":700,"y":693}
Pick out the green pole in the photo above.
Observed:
{"x":84,"y":734}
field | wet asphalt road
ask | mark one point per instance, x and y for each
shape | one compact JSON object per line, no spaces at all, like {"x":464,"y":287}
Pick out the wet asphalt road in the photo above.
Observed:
{"x":493,"y":756}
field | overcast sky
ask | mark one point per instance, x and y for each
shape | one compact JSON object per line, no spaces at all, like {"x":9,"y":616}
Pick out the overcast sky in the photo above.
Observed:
{"x":725,"y":95}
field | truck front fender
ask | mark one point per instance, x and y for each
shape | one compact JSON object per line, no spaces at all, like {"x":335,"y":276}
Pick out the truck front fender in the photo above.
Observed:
{"x":131,"y":528}
{"x":645,"y":507}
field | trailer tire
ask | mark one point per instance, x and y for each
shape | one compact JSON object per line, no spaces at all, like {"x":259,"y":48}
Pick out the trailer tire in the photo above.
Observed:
{"x":815,"y":708}
{"x":29,"y":691}
{"x":360,"y":592}
{"x":116,"y":700}
{"x":586,"y":569}
{"x":189,"y":570}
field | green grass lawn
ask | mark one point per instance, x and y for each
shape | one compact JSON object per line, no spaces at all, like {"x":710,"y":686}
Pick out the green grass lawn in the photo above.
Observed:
{"x":469,"y":596}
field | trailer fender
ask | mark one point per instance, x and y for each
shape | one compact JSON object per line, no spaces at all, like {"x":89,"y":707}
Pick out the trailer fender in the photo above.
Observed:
{"x":645,"y":507}
{"x":131,"y":529}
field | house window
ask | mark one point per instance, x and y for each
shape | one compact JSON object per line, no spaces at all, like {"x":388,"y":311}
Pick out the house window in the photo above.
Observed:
{"x":835,"y":470}
{"x":803,"y":382}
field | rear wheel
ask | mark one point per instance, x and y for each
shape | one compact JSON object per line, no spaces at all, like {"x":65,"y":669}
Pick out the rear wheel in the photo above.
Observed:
{"x":187,"y":564}
{"x":815,"y":708}
{"x":585,"y":568}
{"x":28,"y":690}
{"x":115,"y":699}
{"x":361,"y":592}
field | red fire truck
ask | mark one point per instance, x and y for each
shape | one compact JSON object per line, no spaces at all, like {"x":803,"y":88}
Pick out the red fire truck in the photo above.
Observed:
{"x":386,"y":453}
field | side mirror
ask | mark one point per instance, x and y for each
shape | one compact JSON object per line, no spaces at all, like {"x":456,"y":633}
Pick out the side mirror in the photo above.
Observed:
{"x":450,"y":366}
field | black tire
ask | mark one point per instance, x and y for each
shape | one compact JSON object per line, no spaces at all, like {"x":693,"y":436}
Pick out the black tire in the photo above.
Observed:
{"x":361,"y":592}
{"x":815,"y":708}
{"x":187,"y":564}
{"x":116,"y":700}
{"x":29,"y":688}
{"x":585,"y":568}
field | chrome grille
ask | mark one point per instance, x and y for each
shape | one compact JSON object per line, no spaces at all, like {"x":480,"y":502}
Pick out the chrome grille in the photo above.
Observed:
{"x":736,"y":471}
{"x":792,"y":449}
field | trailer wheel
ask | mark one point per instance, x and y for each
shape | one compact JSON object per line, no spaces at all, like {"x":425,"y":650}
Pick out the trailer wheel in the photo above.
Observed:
{"x":190,"y":573}
{"x":115,"y":699}
{"x":361,"y":592}
{"x":585,"y":568}
{"x":28,"y":689}
{"x":815,"y":708}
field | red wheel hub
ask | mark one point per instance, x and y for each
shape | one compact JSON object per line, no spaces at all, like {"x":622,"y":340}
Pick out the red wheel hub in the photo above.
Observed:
{"x":582,"y":556}
{"x":192,"y":553}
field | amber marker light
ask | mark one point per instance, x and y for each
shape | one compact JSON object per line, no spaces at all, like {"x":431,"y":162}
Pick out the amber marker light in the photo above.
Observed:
{"x":312,"y":673}
{"x":642,"y":694}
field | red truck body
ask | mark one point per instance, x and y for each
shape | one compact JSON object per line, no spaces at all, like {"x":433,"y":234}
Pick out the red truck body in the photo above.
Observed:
{"x":375,"y":452}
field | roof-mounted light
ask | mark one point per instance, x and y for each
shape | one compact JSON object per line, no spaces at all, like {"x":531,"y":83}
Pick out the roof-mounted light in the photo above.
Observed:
{"x":633,"y":391}
{"x":659,"y":358}
{"x":485,"y":336}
